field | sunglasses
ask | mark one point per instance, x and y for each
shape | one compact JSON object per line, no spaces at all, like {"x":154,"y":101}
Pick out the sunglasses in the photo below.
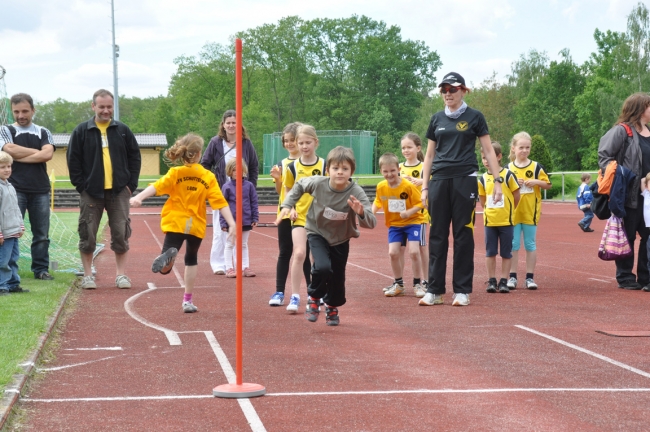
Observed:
{"x":451,"y":90}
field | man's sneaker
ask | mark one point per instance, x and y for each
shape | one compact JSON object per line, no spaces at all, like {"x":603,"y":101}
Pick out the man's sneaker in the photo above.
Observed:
{"x":460,"y":299}
{"x":123,"y":281}
{"x":188,"y":307}
{"x":248,"y":272}
{"x":164,"y":262}
{"x":530,"y":284}
{"x":88,"y":282}
{"x":646,"y":288}
{"x":44,"y":276}
{"x":312,"y":311}
{"x":419,"y":290}
{"x":277,"y":299}
{"x":18,"y":289}
{"x":231,"y":273}
{"x":395,"y":290}
{"x":294,"y":303}
{"x":492,"y":285}
{"x":630,"y":285}
{"x":332,"y":316}
{"x":431,"y":299}
{"x":512,"y":283}
{"x":503,"y":286}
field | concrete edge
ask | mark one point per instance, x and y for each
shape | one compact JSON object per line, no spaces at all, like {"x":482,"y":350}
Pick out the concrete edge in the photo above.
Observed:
{"x":13,"y":391}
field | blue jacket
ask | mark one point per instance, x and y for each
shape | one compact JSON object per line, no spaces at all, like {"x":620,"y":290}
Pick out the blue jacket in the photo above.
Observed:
{"x":584,"y":195}
{"x":623,"y":179}
{"x":249,"y":203}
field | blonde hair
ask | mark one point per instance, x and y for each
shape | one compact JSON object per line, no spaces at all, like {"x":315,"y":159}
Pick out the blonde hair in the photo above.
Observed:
{"x":305,"y":129}
{"x":513,"y":143}
{"x":388,"y":159}
{"x":186,"y":149}
{"x":417,"y":141}
{"x":585,"y":177}
{"x":339,"y":155}
{"x":5,"y":158}
{"x":231,"y":168}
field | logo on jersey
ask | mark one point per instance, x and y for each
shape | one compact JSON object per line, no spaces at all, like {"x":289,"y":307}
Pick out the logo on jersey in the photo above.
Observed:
{"x":315,"y":172}
{"x":403,"y":195}
{"x":472,"y":196}
{"x":529,"y":174}
{"x":415,"y":173}
{"x":462,"y":126}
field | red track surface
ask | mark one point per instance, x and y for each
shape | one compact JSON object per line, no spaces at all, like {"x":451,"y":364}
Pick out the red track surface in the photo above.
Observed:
{"x":415,"y":368}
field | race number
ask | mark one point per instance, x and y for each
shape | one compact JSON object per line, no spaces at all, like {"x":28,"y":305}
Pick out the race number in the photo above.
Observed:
{"x":330,"y":214}
{"x":396,"y":205}
{"x":525,"y":189}
{"x":492,"y":204}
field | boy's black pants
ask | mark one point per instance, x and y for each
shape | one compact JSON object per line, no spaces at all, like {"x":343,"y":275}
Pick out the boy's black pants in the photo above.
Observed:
{"x":328,"y":271}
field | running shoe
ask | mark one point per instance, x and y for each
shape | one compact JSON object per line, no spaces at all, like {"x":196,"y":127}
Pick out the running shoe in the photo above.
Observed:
{"x":332,"y":316}
{"x":460,"y":299}
{"x":123,"y":281}
{"x":18,"y":289}
{"x":492,"y":285}
{"x":503,"y":286}
{"x":312,"y":310}
{"x":277,"y":299}
{"x":530,"y":284}
{"x":395,"y":290}
{"x":419,"y":290}
{"x":512,"y":283}
{"x":188,"y":307}
{"x":431,"y":299}
{"x":165,"y":261}
{"x":294,"y":303}
{"x":88,"y":282}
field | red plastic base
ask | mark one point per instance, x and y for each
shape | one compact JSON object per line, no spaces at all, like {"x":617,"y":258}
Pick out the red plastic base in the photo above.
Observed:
{"x":246,"y":390}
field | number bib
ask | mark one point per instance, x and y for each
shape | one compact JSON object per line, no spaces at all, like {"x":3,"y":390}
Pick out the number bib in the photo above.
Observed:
{"x":396,"y":205}
{"x":330,"y":214}
{"x":491,"y":204}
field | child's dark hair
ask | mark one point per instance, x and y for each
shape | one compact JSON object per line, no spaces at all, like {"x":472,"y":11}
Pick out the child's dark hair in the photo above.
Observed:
{"x":497,"y":148}
{"x":417,"y":141}
{"x":585,"y":177}
{"x":186,"y":149}
{"x":339,"y":155}
{"x":231,"y":167}
{"x":291,"y":128}
{"x":388,"y":159}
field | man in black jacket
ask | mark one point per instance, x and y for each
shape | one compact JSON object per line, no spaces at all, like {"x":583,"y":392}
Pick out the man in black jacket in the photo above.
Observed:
{"x":104,"y":165}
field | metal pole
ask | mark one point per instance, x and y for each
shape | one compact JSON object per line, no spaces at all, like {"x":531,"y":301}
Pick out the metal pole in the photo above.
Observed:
{"x":116,"y":50}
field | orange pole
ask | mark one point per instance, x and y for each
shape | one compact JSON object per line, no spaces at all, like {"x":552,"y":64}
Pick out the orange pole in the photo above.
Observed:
{"x":238,"y":205}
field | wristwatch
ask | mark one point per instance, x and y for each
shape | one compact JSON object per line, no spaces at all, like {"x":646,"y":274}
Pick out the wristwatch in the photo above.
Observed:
{"x":498,"y":180}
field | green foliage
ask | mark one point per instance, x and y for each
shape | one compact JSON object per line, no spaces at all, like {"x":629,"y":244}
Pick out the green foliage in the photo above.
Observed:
{"x":539,"y":153}
{"x":62,"y":116}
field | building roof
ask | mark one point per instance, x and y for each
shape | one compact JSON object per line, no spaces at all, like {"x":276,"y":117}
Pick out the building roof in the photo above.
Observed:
{"x":144,"y":140}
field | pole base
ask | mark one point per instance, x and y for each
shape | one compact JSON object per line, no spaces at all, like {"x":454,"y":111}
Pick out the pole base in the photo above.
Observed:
{"x":234,"y":391}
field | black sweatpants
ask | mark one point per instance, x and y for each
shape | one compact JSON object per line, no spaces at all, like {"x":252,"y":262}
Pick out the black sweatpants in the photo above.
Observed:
{"x":328,"y":272}
{"x":634,"y":223}
{"x":452,"y":201}
{"x":285,"y":242}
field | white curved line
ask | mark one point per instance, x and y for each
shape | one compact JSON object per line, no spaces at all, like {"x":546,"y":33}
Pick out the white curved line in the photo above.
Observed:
{"x":172,"y":336}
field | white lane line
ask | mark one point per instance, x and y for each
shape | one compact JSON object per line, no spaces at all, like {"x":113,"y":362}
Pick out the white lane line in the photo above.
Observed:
{"x":586,"y":351}
{"x":600,"y":280}
{"x":271,"y":237}
{"x":95,"y":349}
{"x":76,"y":364}
{"x":245,"y":404}
{"x":172,"y":336}
{"x":180,"y":279}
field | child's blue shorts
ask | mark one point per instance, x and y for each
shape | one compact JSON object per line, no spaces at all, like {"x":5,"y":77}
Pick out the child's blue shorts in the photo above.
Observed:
{"x":408,"y":232}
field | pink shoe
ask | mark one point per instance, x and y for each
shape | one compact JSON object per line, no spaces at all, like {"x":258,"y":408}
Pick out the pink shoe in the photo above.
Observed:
{"x":230,"y":273}
{"x":248,"y":272}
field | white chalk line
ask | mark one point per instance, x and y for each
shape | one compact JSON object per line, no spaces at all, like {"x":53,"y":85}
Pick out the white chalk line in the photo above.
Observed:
{"x":172,"y":336}
{"x":600,"y":280}
{"x":49,"y":369}
{"x":181,"y":281}
{"x":586,"y":351}
{"x":94,"y":349}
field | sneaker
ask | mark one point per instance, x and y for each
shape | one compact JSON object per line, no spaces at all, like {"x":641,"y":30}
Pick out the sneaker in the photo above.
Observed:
{"x":630,"y":285}
{"x":122,"y":281}
{"x":312,"y":310}
{"x":512,"y":283}
{"x":164,"y":262}
{"x":219,"y":272}
{"x":277,"y":299}
{"x":503,"y":286}
{"x":44,"y":276}
{"x":231,"y":273}
{"x":646,"y":288}
{"x":530,"y":284}
{"x":18,"y":289}
{"x":332,"y":316}
{"x":294,"y":303}
{"x":419,"y":290}
{"x":387,"y":288}
{"x":588,"y":230}
{"x":492,"y":285}
{"x":582,"y":227}
{"x":395,"y":290}
{"x":188,"y":307}
{"x":248,"y":272}
{"x":460,"y":299}
{"x":431,"y":299}
{"x":4,"y":292}
{"x":88,"y":282}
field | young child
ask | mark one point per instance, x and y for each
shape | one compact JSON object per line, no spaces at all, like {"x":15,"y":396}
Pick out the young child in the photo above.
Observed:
{"x":285,"y":241}
{"x":532,"y":178}
{"x":11,"y":229}
{"x":331,"y":222}
{"x":411,"y":170}
{"x":646,"y":214}
{"x":250,"y":216}
{"x":307,"y":165}
{"x":401,"y":202}
{"x":584,"y":198}
{"x":183,"y":215}
{"x":498,"y":220}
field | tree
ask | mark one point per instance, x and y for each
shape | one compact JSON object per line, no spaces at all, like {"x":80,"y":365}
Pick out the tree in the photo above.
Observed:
{"x":539,"y":153}
{"x":527,"y":71}
{"x":638,"y":28}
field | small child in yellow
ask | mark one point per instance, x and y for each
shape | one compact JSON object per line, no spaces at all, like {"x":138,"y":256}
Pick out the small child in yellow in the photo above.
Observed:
{"x":402,"y":204}
{"x":498,"y":219}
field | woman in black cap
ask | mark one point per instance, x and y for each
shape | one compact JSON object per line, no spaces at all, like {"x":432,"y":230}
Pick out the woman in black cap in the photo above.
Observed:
{"x":451,"y":162}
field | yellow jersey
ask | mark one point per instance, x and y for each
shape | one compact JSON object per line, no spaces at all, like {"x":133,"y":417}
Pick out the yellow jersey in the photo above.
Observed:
{"x":414,"y":171}
{"x":403,"y":197}
{"x":503,"y":212}
{"x":295,"y":171}
{"x":530,"y":201}
{"x":283,"y":167}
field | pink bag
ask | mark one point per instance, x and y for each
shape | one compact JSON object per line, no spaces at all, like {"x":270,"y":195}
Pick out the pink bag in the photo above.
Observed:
{"x":614,"y":244}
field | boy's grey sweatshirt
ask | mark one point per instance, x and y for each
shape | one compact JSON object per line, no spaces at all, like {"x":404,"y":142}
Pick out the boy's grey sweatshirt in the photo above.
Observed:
{"x":11,"y":221}
{"x":330,"y":216}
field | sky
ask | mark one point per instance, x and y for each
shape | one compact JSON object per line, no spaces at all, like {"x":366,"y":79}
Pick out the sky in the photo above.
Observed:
{"x":62,"y":48}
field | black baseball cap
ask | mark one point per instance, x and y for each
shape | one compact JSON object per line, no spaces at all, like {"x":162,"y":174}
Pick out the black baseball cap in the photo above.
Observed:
{"x":453,"y":79}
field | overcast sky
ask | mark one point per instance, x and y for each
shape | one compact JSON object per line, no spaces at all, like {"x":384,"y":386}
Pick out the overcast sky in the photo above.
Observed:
{"x":62,"y":48}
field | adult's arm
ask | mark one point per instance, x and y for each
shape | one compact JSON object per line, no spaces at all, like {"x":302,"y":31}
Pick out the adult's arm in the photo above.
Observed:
{"x":45,"y":154}
{"x":134,"y":160}
{"x":426,"y":170}
{"x":610,"y":146}
{"x":18,"y":152}
{"x":208,"y":156}
{"x":255,"y":212}
{"x":74,"y":158}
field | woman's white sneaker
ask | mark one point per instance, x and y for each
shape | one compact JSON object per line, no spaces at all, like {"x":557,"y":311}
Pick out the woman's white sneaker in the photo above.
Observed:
{"x":460,"y":299}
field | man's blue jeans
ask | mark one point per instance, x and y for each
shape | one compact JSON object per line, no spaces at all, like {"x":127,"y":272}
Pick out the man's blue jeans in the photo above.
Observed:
{"x":38,"y":209}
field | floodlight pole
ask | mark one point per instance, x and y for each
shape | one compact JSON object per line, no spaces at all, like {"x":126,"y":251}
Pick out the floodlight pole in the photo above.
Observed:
{"x":116,"y":54}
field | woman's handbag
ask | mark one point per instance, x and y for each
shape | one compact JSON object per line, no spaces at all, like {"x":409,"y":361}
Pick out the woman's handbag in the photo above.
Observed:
{"x":600,"y":203}
{"x":614,"y":244}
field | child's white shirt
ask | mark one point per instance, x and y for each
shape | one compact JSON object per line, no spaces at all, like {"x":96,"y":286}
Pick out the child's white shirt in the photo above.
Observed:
{"x":646,"y":207}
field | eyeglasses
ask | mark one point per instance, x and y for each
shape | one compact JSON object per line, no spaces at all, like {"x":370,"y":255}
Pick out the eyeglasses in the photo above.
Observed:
{"x":451,"y":90}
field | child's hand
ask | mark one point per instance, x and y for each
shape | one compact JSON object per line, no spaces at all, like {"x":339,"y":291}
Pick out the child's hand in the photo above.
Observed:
{"x":20,"y":234}
{"x":135,"y":202}
{"x":283,"y":213}
{"x":276,"y":173}
{"x":232,"y":234}
{"x":254,"y":224}
{"x":520,"y":181}
{"x":293,"y":215}
{"x":2,"y":241}
{"x":356,"y":205}
{"x":404,"y":214}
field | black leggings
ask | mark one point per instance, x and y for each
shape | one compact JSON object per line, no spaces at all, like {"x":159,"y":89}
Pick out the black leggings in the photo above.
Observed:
{"x":175,"y":240}
{"x":285,"y":242}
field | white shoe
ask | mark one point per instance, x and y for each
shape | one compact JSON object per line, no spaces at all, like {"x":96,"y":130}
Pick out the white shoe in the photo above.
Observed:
{"x":294,"y":303}
{"x":530,"y":284}
{"x":512,"y":283}
{"x":88,"y":282}
{"x":460,"y":299}
{"x":431,"y":299}
{"x":419,"y":290}
{"x":188,"y":307}
{"x":123,"y":281}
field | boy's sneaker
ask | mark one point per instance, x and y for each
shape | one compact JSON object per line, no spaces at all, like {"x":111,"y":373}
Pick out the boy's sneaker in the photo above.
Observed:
{"x":395,"y":290}
{"x":530,"y":284}
{"x":503,"y":286}
{"x":294,"y":303}
{"x":387,"y":288}
{"x":419,"y":290}
{"x":460,"y":299}
{"x":431,"y":299}
{"x":17,"y":289}
{"x":581,"y":225}
{"x":231,"y":273}
{"x":188,"y":307}
{"x":312,"y":311}
{"x":512,"y":283}
{"x":248,"y":272}
{"x":165,"y":261}
{"x":332,"y":316}
{"x":492,"y":285}
{"x":277,"y":299}
{"x":88,"y":282}
{"x":123,"y":281}
{"x":587,"y":229}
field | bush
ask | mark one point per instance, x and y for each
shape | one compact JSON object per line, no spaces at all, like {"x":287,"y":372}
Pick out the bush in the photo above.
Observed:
{"x":570,"y":187}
